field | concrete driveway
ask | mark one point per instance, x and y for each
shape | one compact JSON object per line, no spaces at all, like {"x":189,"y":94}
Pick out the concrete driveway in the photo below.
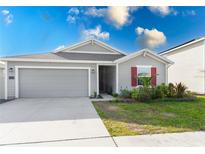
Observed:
{"x":26,"y":121}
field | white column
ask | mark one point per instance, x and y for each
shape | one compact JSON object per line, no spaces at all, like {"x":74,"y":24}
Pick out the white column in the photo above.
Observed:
{"x":6,"y":80}
{"x":97,"y":71}
{"x":117,"y":76}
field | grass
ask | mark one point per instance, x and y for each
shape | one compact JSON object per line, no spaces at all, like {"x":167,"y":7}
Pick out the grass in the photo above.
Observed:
{"x":152,"y":117}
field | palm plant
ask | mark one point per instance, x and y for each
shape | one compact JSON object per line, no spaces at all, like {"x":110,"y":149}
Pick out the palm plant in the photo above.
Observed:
{"x":146,"y":81}
{"x":180,"y":89}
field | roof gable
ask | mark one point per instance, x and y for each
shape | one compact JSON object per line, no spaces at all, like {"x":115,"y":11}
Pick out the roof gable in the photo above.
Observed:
{"x":91,"y":46}
{"x":144,"y":52}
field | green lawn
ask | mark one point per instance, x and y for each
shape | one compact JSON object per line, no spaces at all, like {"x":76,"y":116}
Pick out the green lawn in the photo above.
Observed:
{"x":152,"y":117}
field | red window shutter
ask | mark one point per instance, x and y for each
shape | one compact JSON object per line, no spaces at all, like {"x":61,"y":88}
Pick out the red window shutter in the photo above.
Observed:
{"x":134,"y":76}
{"x":154,"y":76}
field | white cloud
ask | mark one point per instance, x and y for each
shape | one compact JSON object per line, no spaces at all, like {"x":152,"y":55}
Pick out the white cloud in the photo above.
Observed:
{"x":118,"y":16}
{"x":94,"y":12}
{"x":73,"y":14}
{"x":139,"y":30}
{"x":60,"y":47}
{"x":115,"y":15}
{"x":74,"y":10}
{"x":188,"y":13}
{"x":150,"y":38}
{"x":5,"y":12}
{"x":8,"y":19}
{"x":71,"y":19}
{"x":162,"y":10}
{"x":95,"y":33}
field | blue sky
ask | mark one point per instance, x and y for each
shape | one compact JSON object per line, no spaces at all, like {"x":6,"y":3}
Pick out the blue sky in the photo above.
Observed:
{"x":25,"y":30}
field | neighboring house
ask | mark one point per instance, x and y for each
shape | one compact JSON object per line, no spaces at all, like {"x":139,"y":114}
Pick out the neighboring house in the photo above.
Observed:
{"x":2,"y":87}
{"x":80,"y":70}
{"x":189,"y":64}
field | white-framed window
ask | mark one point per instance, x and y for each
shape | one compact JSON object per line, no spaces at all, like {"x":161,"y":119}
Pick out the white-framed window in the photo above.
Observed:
{"x":143,"y":71}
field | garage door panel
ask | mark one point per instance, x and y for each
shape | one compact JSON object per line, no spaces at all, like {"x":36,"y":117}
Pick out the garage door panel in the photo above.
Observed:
{"x":53,"y":83}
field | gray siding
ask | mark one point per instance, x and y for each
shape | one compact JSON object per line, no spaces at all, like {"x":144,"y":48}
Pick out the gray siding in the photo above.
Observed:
{"x":125,"y":70}
{"x":92,"y":48}
{"x":11,"y":82}
{"x":2,"y":84}
{"x":37,"y":83}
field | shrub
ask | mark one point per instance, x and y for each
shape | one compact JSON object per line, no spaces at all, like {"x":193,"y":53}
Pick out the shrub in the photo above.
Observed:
{"x":158,"y":92}
{"x":153,"y":92}
{"x":115,"y":94}
{"x":134,"y":93}
{"x":171,"y":90}
{"x":143,"y":94}
{"x":116,"y":100}
{"x":125,"y":93}
{"x":180,"y":90}
{"x":146,"y":81}
{"x":161,"y":91}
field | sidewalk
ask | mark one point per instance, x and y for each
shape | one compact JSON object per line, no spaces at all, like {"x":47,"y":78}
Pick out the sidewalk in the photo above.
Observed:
{"x":157,"y":140}
{"x":163,"y":140}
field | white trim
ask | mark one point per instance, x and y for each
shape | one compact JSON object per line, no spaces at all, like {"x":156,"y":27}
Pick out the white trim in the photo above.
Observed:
{"x":101,"y":64}
{"x":109,"y":47}
{"x":45,"y":67}
{"x":55,"y":61}
{"x":90,"y":52}
{"x":16,"y":82}
{"x":117,"y":78}
{"x":6,"y":81}
{"x":204,"y":66}
{"x":97,"y":79}
{"x":89,"y":82}
{"x":1,"y":62}
{"x":158,"y":59}
{"x":182,"y":46}
{"x":145,"y":66}
{"x":148,"y":52}
{"x":94,"y":41}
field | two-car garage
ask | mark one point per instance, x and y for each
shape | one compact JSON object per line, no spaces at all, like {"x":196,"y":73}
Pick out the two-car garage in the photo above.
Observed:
{"x":49,"y":82}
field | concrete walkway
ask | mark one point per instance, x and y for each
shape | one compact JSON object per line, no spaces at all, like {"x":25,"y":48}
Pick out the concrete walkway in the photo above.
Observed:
{"x":163,"y":140}
{"x":158,"y":140}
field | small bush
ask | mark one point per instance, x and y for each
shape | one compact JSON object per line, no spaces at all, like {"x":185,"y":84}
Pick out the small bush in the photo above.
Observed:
{"x":180,"y":90}
{"x":115,"y":94}
{"x":143,"y":94}
{"x":116,"y":100}
{"x":161,"y":91}
{"x":153,"y":92}
{"x":125,"y":93}
{"x":171,"y":90}
{"x":134,"y":93}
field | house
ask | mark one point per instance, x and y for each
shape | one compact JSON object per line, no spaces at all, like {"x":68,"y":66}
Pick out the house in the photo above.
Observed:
{"x":189,"y":64}
{"x":2,"y":89}
{"x":80,"y":70}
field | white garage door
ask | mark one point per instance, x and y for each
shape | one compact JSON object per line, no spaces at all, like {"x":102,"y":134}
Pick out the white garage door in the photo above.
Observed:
{"x":34,"y":83}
